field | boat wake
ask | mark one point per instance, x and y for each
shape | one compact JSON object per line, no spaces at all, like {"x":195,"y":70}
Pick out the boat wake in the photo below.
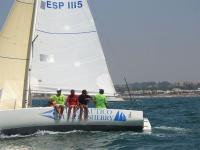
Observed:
{"x":176,"y":129}
{"x":46,"y":132}
{"x":43,"y":133}
{"x":3,"y":136}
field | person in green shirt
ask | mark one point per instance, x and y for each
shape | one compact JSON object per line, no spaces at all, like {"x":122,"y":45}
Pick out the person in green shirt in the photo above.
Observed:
{"x":100,"y":100}
{"x":58,"y":101}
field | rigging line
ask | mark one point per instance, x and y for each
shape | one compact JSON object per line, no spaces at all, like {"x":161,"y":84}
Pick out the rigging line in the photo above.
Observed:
{"x":24,"y":2}
{"x":66,"y":33}
{"x":129,"y":92}
{"x":35,"y":38}
{"x":13,"y":58}
{"x":32,"y":43}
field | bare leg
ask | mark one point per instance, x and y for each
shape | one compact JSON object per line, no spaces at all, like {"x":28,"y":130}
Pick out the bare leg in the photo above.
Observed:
{"x":69,"y":112}
{"x":57,"y":109}
{"x":74,"y":113}
{"x":81,"y":113}
{"x":85,"y":113}
{"x":61,"y":109}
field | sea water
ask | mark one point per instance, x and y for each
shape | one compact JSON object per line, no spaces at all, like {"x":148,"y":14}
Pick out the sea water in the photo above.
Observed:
{"x":175,"y":126}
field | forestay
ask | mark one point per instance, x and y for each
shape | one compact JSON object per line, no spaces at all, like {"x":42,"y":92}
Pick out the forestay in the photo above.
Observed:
{"x":66,"y":50}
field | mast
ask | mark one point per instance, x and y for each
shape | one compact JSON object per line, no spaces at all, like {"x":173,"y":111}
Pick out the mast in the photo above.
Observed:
{"x":26,"y":91}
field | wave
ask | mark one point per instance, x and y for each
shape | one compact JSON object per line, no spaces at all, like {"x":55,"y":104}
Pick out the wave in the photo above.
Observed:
{"x":130,"y":133}
{"x":176,"y":129}
{"x":3,"y":136}
{"x":44,"y":132}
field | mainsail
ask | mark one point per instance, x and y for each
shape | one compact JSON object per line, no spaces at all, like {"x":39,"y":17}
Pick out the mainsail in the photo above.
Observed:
{"x":66,"y":51}
{"x":14,"y":40}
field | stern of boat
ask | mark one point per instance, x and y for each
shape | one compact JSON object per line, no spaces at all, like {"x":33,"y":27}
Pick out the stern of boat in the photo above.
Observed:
{"x":147,"y":125}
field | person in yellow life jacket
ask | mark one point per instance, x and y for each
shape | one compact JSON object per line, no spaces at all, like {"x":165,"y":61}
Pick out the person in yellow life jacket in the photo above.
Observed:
{"x":58,"y":101}
{"x":100,"y":100}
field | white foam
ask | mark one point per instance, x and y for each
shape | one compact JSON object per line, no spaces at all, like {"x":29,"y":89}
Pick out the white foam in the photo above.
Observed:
{"x":16,"y":147}
{"x":3,"y":136}
{"x":45,"y":132}
{"x":42,"y":132}
{"x":176,"y":129}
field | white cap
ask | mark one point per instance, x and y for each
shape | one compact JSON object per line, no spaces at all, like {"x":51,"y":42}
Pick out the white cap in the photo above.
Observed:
{"x":59,"y":89}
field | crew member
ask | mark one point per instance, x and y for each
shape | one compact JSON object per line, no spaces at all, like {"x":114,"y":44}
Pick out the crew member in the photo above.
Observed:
{"x":72,"y":103}
{"x":58,"y":101}
{"x":83,"y":101}
{"x":100,"y":100}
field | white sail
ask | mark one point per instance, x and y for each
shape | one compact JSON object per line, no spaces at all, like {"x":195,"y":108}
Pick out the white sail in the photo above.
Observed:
{"x":14,"y":40}
{"x":66,"y":50}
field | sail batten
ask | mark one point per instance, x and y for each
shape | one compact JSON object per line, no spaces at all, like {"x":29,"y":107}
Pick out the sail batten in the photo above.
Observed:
{"x":24,"y":2}
{"x":15,"y":58}
{"x":83,"y":32}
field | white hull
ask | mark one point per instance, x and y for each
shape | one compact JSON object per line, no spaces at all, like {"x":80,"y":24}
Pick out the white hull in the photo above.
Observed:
{"x":30,"y":120}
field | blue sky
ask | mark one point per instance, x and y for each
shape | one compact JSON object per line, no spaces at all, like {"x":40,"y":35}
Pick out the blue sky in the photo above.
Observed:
{"x":146,"y":40}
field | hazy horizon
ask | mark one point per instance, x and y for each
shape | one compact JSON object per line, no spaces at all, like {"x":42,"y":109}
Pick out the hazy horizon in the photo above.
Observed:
{"x":146,"y":40}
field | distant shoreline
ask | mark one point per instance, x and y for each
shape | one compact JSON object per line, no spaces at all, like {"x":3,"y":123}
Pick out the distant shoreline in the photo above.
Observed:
{"x":159,"y":96}
{"x":137,"y":97}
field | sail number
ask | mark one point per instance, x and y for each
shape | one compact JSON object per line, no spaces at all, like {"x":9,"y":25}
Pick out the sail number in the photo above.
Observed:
{"x":60,"y":5}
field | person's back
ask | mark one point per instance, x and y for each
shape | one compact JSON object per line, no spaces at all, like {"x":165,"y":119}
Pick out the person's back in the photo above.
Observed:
{"x":100,"y":99}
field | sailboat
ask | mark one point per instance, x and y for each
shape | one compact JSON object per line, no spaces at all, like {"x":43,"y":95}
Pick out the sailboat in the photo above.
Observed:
{"x":51,"y":44}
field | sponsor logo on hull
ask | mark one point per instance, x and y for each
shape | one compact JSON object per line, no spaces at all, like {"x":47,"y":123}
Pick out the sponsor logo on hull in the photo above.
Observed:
{"x":93,"y":115}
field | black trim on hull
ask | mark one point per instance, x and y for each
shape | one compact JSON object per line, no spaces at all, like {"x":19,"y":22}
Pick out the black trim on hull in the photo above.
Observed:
{"x":63,"y":128}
